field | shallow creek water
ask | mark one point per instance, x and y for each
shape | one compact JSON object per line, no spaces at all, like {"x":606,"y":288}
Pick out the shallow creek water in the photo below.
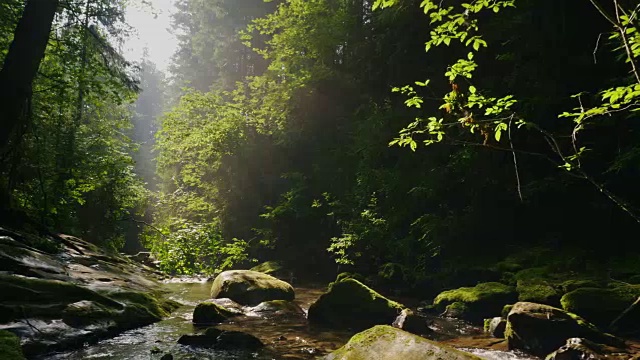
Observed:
{"x":286,"y":338}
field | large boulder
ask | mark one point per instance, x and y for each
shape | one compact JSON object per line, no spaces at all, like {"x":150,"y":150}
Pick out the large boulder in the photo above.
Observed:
{"x":475,"y":303}
{"x":540,"y":329}
{"x":602,"y":305}
{"x":351,"y":304}
{"x":384,"y":342}
{"x":412,"y":322}
{"x":250,"y":287}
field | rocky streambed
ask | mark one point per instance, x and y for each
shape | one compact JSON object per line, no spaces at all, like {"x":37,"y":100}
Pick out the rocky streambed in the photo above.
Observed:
{"x":62,"y":298}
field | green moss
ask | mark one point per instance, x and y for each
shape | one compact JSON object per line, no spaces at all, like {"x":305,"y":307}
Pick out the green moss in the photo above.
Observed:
{"x":22,"y":290}
{"x":385,"y":342}
{"x":570,"y":285}
{"x":250,"y":287}
{"x":538,"y":292}
{"x":600,"y":305}
{"x":210,"y":313}
{"x":506,"y":310}
{"x":482,"y":301}
{"x":351,"y":304}
{"x":10,"y":346}
{"x":487,"y":325}
{"x":268,"y":267}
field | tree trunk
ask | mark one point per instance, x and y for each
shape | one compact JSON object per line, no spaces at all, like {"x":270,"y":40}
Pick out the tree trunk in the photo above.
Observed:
{"x":21,"y":66}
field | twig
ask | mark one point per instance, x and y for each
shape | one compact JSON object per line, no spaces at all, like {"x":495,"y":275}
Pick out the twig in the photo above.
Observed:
{"x":515,"y":161}
{"x":595,"y":50}
{"x":625,"y":312}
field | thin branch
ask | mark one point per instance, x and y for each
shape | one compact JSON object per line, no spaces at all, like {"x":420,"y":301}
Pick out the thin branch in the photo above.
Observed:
{"x":625,"y":41}
{"x":595,"y":50}
{"x":515,"y":161}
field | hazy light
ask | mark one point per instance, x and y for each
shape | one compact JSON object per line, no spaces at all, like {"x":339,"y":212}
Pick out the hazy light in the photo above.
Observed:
{"x":152,"y":25}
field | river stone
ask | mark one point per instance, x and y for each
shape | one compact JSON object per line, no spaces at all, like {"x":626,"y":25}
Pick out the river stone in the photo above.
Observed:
{"x":476,"y":303}
{"x":218,"y":339}
{"x":601,"y":306}
{"x":209,"y":312}
{"x":250,"y":287}
{"x":278,"y":308}
{"x":540,"y":329}
{"x":496,"y":326}
{"x":411,"y":322}
{"x":384,"y":342}
{"x":577,"y":349}
{"x":349,"y":304}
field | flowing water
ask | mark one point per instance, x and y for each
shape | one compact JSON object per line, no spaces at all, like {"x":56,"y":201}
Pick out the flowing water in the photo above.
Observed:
{"x":285,"y":337}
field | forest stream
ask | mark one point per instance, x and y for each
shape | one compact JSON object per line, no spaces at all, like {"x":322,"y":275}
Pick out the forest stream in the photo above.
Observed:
{"x":286,"y":338}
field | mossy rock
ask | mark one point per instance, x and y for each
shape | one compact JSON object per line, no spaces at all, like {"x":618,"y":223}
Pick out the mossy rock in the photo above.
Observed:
{"x":10,"y":346}
{"x":602,"y":305}
{"x":506,"y":310}
{"x":384,"y":342}
{"x":570,"y":285}
{"x":250,"y":287}
{"x":458,"y":310}
{"x":351,"y":304}
{"x":85,"y":312}
{"x":538,"y":292}
{"x":481,"y":301}
{"x":211,"y":313}
{"x":349,"y":275}
{"x":540,"y":329}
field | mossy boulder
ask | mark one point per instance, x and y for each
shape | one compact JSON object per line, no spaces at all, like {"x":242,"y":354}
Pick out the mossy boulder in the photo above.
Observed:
{"x":537,"y":291}
{"x":570,"y":285}
{"x":349,"y":275}
{"x":480,"y":302}
{"x":384,"y":342}
{"x":10,"y":346}
{"x":602,"y":305}
{"x":209,"y":312}
{"x":540,"y":329}
{"x":250,"y":287}
{"x":351,"y":304}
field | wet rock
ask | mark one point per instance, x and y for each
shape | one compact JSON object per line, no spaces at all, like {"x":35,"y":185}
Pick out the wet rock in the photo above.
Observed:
{"x":167,"y":357}
{"x":218,"y":339}
{"x":495,"y":327}
{"x":236,"y":340}
{"x":85,"y":312}
{"x":10,"y":346}
{"x":577,"y":349}
{"x":476,"y":303}
{"x":278,"y":308}
{"x":229,"y":305}
{"x":349,"y":304}
{"x":411,"y":322}
{"x":540,"y":329}
{"x":211,"y":313}
{"x":250,"y":287}
{"x":388,"y":343}
{"x":602,"y":305}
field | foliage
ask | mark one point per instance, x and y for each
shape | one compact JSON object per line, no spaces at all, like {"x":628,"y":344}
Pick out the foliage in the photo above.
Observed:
{"x":196,"y":248}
